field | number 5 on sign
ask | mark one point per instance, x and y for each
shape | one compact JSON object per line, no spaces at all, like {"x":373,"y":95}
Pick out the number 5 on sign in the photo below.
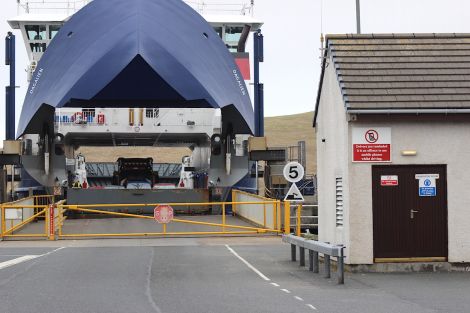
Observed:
{"x":293,"y":172}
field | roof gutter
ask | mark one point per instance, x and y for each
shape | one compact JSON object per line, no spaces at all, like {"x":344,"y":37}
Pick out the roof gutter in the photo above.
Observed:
{"x":409,"y":111}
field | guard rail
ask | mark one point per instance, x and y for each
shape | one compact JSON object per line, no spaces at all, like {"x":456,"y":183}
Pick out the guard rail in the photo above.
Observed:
{"x":314,"y":248}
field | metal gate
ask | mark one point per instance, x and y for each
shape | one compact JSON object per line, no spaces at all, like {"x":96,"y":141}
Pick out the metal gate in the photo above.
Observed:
{"x":247,"y":214}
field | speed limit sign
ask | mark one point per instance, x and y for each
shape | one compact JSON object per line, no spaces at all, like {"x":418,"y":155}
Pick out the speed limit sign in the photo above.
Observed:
{"x":293,"y":172}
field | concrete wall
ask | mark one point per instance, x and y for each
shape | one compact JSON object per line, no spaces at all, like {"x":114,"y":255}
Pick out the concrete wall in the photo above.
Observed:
{"x":332,"y":160}
{"x":437,"y":141}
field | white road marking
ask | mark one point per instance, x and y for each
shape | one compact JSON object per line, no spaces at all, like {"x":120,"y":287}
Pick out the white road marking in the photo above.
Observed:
{"x":254,"y":269}
{"x":25,"y":258}
{"x":311,"y":306}
{"x":19,"y":260}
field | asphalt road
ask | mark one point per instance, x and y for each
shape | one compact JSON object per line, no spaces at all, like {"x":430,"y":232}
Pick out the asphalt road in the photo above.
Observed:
{"x":203,"y":275}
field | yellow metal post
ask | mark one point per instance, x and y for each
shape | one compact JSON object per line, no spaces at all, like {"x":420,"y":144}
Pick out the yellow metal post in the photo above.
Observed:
{"x":46,"y":220}
{"x":286,"y":217}
{"x":223,"y":216}
{"x":61,"y":218}
{"x":264,"y":215}
{"x":299,"y":212}
{"x":234,"y":204}
{"x":3,"y":221}
{"x":164,"y":228}
{"x":275,"y":217}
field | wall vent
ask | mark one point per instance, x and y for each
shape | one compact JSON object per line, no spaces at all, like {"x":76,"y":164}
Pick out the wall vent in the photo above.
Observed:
{"x":339,"y":202}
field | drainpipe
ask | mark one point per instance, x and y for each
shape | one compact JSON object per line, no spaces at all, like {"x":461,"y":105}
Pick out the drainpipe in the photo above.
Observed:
{"x":10,"y":90}
{"x":258,"y":87}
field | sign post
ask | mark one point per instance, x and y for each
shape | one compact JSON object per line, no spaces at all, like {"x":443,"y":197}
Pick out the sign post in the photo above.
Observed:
{"x":294,"y":172}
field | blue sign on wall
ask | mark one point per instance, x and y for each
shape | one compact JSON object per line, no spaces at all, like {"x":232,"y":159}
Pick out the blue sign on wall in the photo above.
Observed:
{"x":427,"y":184}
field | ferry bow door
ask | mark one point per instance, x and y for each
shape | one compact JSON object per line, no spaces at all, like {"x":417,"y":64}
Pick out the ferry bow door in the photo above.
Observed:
{"x":409,"y":213}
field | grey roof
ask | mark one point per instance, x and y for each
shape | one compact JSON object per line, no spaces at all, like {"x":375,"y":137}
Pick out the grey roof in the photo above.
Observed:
{"x":400,"y":71}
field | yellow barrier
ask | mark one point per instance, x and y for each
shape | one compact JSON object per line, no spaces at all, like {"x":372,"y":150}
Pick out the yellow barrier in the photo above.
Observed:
{"x":55,"y":217}
{"x":38,"y":211}
{"x":266,"y":215}
{"x":227,"y":229}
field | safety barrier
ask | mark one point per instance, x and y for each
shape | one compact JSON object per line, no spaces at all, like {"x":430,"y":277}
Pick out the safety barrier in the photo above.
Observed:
{"x":266,"y":213}
{"x":299,"y":218}
{"x":61,"y":210}
{"x":265,"y":216}
{"x":315,"y":247}
{"x":16,"y":215}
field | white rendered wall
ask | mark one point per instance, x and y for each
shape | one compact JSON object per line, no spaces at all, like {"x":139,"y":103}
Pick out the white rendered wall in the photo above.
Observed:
{"x":332,"y":158}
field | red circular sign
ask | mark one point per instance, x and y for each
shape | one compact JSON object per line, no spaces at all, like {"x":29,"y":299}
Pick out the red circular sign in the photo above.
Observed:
{"x":163,"y":213}
{"x":372,"y":136}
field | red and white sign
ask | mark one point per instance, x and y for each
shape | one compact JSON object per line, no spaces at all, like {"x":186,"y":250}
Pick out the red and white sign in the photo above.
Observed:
{"x":389,"y":180}
{"x":163,"y":213}
{"x":371,"y":144}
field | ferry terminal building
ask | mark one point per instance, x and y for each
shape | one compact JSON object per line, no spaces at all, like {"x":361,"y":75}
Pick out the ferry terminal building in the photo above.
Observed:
{"x":392,"y":122}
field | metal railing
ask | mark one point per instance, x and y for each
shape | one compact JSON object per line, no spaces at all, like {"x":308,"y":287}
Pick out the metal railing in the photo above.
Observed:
{"x":223,"y":228}
{"x":266,"y":214}
{"x":315,"y":248}
{"x":16,"y":215}
{"x":299,"y":218}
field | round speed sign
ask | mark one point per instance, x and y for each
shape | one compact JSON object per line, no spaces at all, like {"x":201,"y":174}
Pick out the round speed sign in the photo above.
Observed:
{"x":293,"y":172}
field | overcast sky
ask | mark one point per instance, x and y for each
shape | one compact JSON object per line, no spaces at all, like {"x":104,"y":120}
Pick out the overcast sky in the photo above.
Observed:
{"x":292,"y":30}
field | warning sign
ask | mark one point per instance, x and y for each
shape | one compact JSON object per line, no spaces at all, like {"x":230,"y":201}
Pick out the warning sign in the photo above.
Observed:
{"x":371,"y":144}
{"x":294,"y":194}
{"x":389,"y":180}
{"x":163,"y":213}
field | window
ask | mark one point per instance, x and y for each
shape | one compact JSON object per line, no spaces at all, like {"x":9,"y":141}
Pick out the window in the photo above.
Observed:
{"x":152,"y":113}
{"x":339,"y":202}
{"x":218,"y":30}
{"x":53,"y":30}
{"x":233,"y":33}
{"x":36,"y":32}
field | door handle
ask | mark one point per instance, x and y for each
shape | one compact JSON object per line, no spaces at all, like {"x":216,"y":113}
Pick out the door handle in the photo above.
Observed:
{"x":412,"y":213}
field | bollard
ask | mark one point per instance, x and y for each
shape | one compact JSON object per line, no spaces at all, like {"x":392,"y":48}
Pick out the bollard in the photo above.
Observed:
{"x":292,"y":252}
{"x":341,"y":267}
{"x":302,"y":256}
{"x":327,"y":265}
{"x":310,"y":260}
{"x":316,"y":267}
